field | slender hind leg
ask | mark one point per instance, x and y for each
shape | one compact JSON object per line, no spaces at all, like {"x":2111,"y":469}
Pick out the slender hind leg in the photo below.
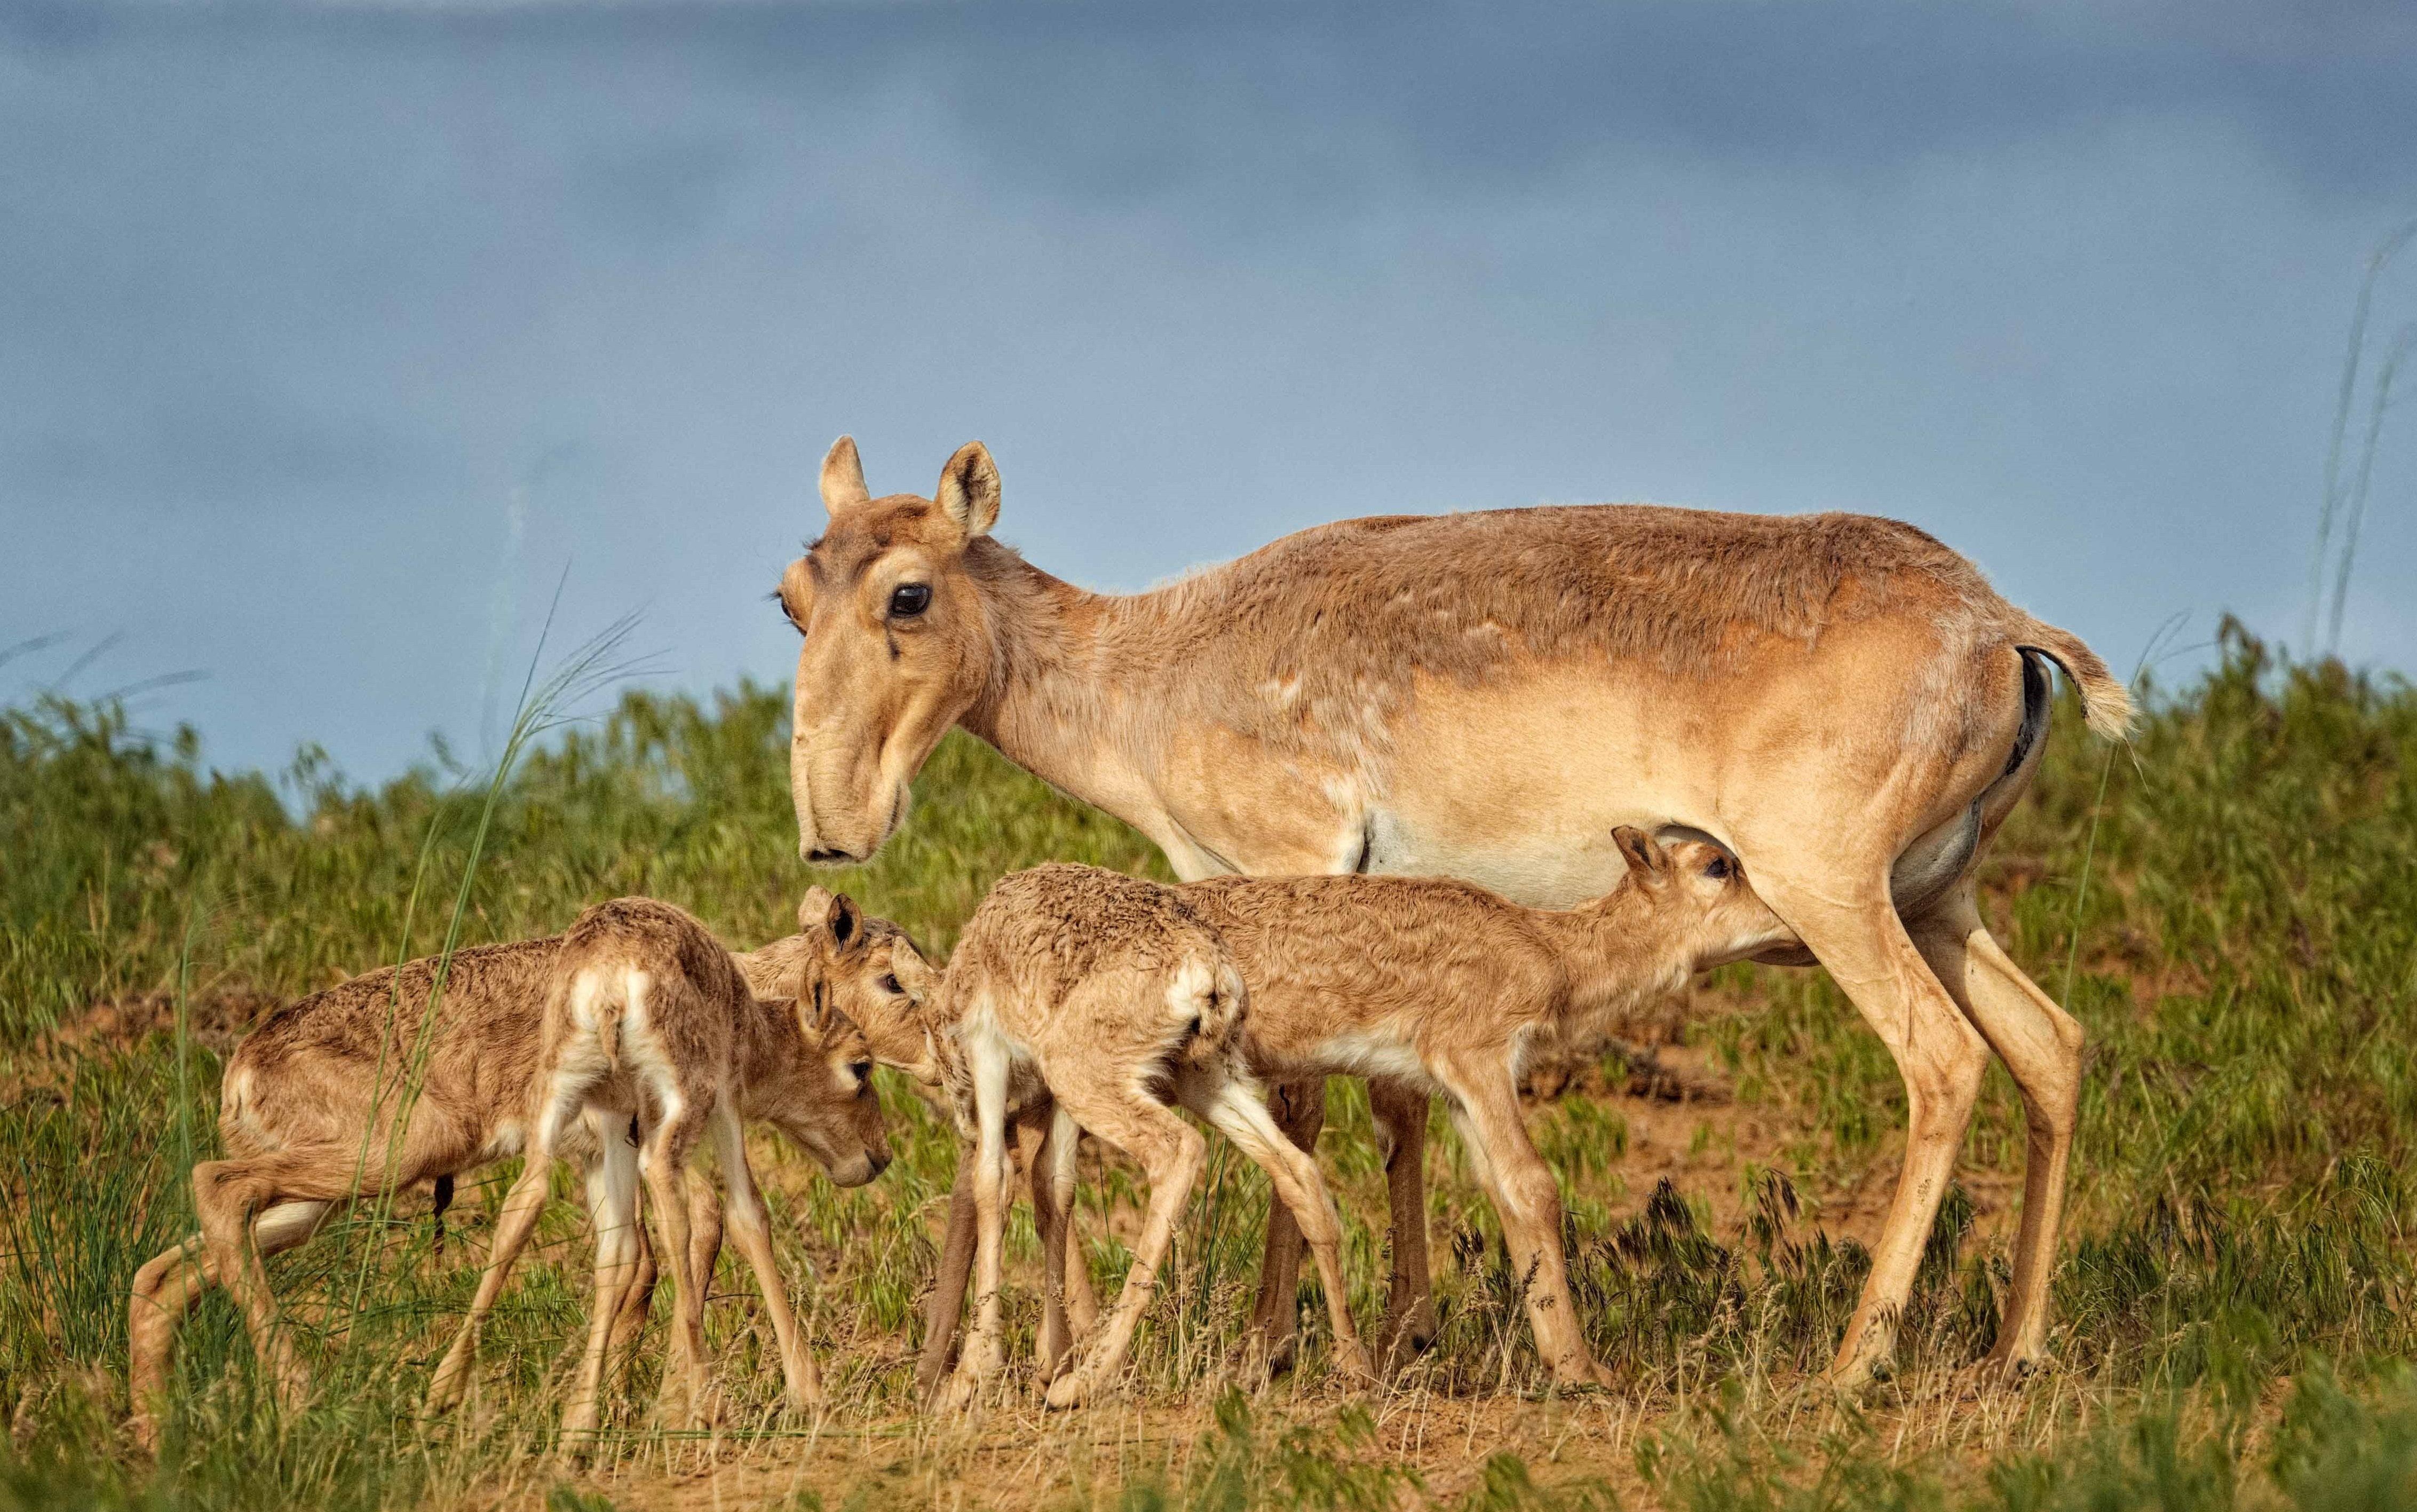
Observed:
{"x":612,"y":1204}
{"x":1080,"y":1304}
{"x":1232,"y":1107}
{"x":1849,"y":923}
{"x":664,"y":1164}
{"x":2041,"y":1045}
{"x":1169,"y":1151}
{"x":168,"y":1289}
{"x":802,"y":1387}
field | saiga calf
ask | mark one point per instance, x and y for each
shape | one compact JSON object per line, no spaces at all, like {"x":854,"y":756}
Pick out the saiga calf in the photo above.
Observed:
{"x":312,"y":1098}
{"x":1105,"y":994}
{"x":648,"y":1019}
{"x":1442,"y":986}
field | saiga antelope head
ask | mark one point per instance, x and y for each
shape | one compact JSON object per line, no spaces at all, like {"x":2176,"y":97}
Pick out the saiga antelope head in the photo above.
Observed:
{"x":898,"y":644}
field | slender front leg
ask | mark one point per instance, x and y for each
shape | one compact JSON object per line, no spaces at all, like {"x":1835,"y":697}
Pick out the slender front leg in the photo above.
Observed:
{"x":1298,"y":1108}
{"x":513,"y":1226}
{"x":1401,"y":1117}
{"x":801,"y":1385}
{"x":946,"y":1305}
{"x":1486,"y":1110}
{"x":1052,"y":1172}
{"x":1169,"y":1151}
{"x":983,"y":1354}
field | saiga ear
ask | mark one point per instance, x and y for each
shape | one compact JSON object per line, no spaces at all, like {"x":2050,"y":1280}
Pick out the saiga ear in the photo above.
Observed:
{"x":1646,"y":861}
{"x":814,"y":910}
{"x":968,"y":492}
{"x":843,"y":477}
{"x":846,"y":923}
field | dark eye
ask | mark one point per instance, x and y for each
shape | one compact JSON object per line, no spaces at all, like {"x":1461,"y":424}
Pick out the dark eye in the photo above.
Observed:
{"x":1717,"y":868}
{"x":862,"y":1071}
{"x":908,"y":600}
{"x":889,"y":985}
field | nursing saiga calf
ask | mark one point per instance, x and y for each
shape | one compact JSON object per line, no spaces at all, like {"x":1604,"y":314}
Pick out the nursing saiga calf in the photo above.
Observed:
{"x":649,"y":1022}
{"x":313,"y":1115}
{"x":1842,"y":702}
{"x":1445,"y":986}
{"x":1105,"y":995}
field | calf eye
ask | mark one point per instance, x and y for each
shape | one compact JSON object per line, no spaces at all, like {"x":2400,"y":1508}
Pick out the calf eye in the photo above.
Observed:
{"x":1717,"y":868}
{"x":907,"y":600}
{"x":889,"y":985}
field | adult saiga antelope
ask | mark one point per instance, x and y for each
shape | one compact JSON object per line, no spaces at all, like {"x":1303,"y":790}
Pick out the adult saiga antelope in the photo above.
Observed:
{"x":1842,"y":702}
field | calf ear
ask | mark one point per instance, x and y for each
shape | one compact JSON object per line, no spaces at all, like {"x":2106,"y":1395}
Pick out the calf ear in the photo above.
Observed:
{"x":815,"y":911}
{"x":843,"y":477}
{"x":845,"y":921}
{"x":814,"y":1010}
{"x":1646,"y":861}
{"x":968,"y":493}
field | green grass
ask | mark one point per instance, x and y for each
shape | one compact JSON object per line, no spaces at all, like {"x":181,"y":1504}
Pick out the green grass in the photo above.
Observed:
{"x":2232,"y":1308}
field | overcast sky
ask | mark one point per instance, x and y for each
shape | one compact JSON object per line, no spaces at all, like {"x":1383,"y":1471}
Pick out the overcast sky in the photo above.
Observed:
{"x":329,"y":336}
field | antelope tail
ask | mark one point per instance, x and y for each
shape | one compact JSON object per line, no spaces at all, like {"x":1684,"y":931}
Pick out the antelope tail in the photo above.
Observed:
{"x":2105,"y":701}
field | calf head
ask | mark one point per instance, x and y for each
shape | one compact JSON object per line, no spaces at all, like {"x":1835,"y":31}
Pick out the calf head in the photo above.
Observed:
{"x":868,"y":970}
{"x":1693,"y":896}
{"x":825,"y":1099}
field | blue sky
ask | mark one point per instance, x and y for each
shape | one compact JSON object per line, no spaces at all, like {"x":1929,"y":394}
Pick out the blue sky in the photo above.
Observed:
{"x":332,"y":336}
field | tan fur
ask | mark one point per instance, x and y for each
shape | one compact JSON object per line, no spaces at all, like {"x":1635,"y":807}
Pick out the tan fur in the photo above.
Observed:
{"x":1455,"y":989}
{"x":1105,"y":997}
{"x":308,"y":1117}
{"x":649,"y":1020}
{"x":1842,"y":702}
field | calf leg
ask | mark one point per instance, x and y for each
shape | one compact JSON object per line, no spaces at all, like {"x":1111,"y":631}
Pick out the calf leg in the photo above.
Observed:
{"x":612,"y":1206}
{"x":1486,"y":1110}
{"x":232,"y":1197}
{"x":1169,"y":1151}
{"x":1051,"y":1169}
{"x":514,"y":1224}
{"x":946,"y":1304}
{"x":1080,"y":1304}
{"x":1229,"y":1104}
{"x":664,"y":1164}
{"x":1297,"y":1108}
{"x":168,"y":1289}
{"x":1400,"y":1116}
{"x":983,"y":1354}
{"x":801,"y":1386}
{"x":518,"y":1219}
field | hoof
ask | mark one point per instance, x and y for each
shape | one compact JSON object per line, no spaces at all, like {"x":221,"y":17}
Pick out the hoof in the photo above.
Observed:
{"x":1069,"y":1391}
{"x":959,"y":1393}
{"x":1355,"y":1368}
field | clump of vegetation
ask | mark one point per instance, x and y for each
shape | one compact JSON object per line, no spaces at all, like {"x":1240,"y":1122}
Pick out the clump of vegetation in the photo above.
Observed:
{"x":2235,"y":1290}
